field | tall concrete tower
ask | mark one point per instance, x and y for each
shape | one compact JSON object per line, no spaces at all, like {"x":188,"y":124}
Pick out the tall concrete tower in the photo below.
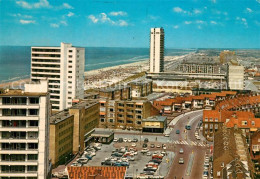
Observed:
{"x":156,"y":50}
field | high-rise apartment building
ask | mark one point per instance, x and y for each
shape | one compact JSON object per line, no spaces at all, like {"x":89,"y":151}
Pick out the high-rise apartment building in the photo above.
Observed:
{"x":236,"y":77}
{"x":156,"y":50}
{"x":64,"y":68}
{"x":24,"y":132}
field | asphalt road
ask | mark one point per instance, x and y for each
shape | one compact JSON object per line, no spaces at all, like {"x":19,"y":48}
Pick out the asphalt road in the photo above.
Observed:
{"x":177,"y":170}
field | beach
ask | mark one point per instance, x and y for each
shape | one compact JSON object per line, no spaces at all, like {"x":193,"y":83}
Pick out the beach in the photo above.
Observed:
{"x":105,"y":76}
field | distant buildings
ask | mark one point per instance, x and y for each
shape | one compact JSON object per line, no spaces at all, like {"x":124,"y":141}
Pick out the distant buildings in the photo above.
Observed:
{"x":24,"y":121}
{"x":156,"y":50}
{"x":236,"y":77}
{"x":226,"y":56}
{"x":64,"y":68}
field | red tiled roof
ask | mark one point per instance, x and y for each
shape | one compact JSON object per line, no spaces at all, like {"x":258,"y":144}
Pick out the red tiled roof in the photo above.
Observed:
{"x":103,"y":172}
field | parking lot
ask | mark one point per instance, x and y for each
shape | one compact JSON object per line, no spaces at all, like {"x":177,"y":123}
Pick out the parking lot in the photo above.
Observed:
{"x":140,"y":159}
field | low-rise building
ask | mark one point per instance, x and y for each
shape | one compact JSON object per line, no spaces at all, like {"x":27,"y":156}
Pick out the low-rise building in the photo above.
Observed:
{"x":141,"y":88}
{"x":255,"y":149}
{"x":230,"y":148}
{"x":116,"y":93}
{"x":86,"y":118}
{"x":61,"y":137}
{"x":124,"y":114}
{"x":154,"y":124}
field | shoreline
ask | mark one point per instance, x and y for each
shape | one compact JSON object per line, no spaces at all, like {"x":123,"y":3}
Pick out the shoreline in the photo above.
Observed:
{"x":142,"y":64}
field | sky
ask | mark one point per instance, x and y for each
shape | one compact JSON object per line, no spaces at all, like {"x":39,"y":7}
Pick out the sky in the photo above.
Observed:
{"x":127,"y":23}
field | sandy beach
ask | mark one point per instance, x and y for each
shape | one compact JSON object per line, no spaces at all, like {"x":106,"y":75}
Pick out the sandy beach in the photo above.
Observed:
{"x":105,"y":76}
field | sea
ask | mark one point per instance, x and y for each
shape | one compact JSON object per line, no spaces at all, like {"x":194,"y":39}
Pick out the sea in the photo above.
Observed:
{"x":15,"y":61}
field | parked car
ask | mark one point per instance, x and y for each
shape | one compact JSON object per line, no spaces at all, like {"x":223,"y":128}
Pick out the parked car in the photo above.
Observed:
{"x":120,"y":140}
{"x":156,"y":160}
{"x":177,"y":131}
{"x":133,"y":144}
{"x":152,"y":145}
{"x":181,"y":161}
{"x":144,"y":150}
{"x":158,"y":146}
{"x":129,"y":140}
{"x":148,"y":154}
{"x":146,"y":140}
{"x":145,"y":145}
{"x":125,"y":139}
{"x":115,"y":140}
{"x":135,"y":140}
{"x":167,"y":135}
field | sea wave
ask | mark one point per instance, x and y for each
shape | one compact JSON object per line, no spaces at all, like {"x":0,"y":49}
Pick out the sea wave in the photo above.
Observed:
{"x":15,"y":78}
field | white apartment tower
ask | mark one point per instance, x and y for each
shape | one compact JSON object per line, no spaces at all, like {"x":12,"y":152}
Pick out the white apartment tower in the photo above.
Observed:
{"x":24,"y":132}
{"x":156,"y":50}
{"x":236,"y":77}
{"x":64,"y":68}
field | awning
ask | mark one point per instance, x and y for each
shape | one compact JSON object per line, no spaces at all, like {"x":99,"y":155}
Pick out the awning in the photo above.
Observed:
{"x":253,"y":129}
{"x":102,"y":113}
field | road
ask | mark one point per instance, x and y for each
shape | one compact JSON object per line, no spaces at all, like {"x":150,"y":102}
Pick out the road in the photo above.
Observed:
{"x":188,"y":139}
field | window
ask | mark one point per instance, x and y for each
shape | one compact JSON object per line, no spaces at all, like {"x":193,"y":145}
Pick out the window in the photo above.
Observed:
{"x":255,"y":148}
{"x":111,"y":110}
{"x":69,"y":92}
{"x":210,"y":119}
{"x":33,"y":146}
{"x":253,"y":123}
{"x":31,"y":168}
{"x":129,"y":122}
{"x":206,"y":119}
{"x":111,"y":120}
{"x":138,"y":117}
{"x":216,"y":126}
{"x":139,"y":122}
{"x":70,"y":71}
{"x":206,"y":126}
{"x":102,"y":120}
{"x":70,"y":61}
{"x":70,"y":51}
{"x":33,"y":123}
{"x":70,"y":56}
{"x":244,"y":122}
{"x":216,"y":119}
{"x":211,"y":126}
{"x":34,"y":100}
{"x":70,"y":66}
{"x":33,"y":112}
{"x":121,"y":110}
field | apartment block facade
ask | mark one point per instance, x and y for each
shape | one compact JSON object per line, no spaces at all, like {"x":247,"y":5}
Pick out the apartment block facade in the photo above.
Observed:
{"x":156,"y":50}
{"x":123,"y":114}
{"x":24,"y":132}
{"x":141,"y":88}
{"x":61,"y":137}
{"x":236,"y":77}
{"x":86,"y":118}
{"x":64,"y":68}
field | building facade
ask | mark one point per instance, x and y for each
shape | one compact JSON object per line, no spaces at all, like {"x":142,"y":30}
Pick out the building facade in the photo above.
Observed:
{"x":86,"y":118}
{"x":64,"y":68}
{"x":141,"y":88}
{"x":156,"y":50}
{"x":24,"y":134}
{"x":236,"y":77}
{"x":61,"y":137}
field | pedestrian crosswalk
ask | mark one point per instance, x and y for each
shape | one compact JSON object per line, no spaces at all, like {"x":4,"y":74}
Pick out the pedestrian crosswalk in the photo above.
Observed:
{"x":184,"y":142}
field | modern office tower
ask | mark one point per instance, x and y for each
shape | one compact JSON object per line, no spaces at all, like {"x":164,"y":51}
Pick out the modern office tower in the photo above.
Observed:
{"x":24,"y":132}
{"x":64,"y":68}
{"x":156,"y":50}
{"x":235,"y":77}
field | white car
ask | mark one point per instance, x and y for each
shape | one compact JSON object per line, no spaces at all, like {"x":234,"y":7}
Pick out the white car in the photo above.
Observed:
{"x":131,"y":158}
{"x":129,"y":140}
{"x":166,"y":135}
{"x":133,"y":144}
{"x":198,"y":137}
{"x":115,"y":140}
{"x":144,"y":150}
{"x":148,"y":154}
{"x":125,"y":139}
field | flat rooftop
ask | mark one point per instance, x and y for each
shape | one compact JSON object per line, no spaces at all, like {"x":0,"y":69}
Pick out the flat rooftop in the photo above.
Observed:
{"x":86,"y":103}
{"x":155,"y":119}
{"x":60,"y":116}
{"x":102,"y":132}
{"x":110,"y":89}
{"x":141,"y":81}
{"x":19,"y":92}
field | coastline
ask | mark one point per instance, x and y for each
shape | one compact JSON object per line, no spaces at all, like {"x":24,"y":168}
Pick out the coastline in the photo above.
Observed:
{"x":129,"y":68}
